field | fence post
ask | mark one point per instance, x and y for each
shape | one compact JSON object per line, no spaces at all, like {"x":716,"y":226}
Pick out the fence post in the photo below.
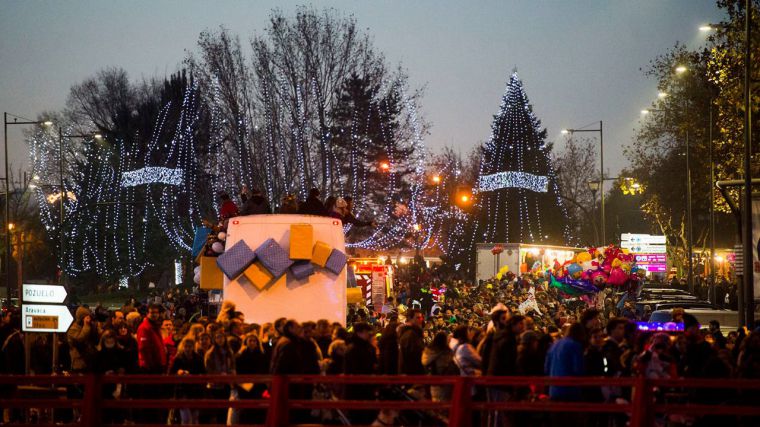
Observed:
{"x":640,"y":403}
{"x":461,"y":399}
{"x":277,"y":414}
{"x":91,"y":401}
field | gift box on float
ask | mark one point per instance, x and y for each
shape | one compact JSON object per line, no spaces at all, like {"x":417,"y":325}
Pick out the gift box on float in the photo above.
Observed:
{"x":235,"y":259}
{"x":302,"y":269}
{"x":273,"y":257}
{"x":321,"y":253}
{"x":258,"y":275}
{"x":336,"y":261}
{"x":301,"y":241}
{"x":211,"y":275}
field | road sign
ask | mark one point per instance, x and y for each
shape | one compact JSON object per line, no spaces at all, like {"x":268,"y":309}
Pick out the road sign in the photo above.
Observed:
{"x":45,"y":318}
{"x":44,"y":293}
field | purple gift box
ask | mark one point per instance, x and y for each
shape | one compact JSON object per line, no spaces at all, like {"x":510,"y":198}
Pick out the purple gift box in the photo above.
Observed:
{"x":273,"y":257}
{"x":336,"y":261}
{"x":302,"y":269}
{"x":235,"y":259}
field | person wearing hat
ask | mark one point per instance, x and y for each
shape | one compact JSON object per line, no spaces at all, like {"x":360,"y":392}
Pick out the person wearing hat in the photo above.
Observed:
{"x":499,"y":315}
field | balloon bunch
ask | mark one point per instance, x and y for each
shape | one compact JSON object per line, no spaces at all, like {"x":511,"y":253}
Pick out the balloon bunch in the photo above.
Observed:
{"x":592,"y":270}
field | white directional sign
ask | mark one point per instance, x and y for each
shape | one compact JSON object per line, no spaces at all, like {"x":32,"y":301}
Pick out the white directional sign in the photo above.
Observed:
{"x":44,"y":293}
{"x":643,"y":243}
{"x":45,"y":318}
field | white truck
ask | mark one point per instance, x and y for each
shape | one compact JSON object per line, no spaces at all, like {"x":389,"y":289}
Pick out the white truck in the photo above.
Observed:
{"x":517,"y":256}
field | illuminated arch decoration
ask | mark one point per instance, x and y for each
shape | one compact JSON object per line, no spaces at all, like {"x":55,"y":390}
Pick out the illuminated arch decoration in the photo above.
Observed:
{"x":528,"y":181}
{"x":152,"y":175}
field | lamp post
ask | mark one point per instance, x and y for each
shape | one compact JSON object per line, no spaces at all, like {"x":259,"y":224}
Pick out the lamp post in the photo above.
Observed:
{"x":6,"y":226}
{"x":64,"y":197}
{"x":689,"y":236}
{"x":748,"y":280}
{"x":601,"y":169}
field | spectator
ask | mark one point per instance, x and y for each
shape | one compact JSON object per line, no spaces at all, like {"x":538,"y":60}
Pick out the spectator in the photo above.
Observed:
{"x":466,"y":357}
{"x":289,"y":204}
{"x":228,"y":208}
{"x":219,"y":360}
{"x":250,"y":360}
{"x":150,"y":344}
{"x":256,"y":204}
{"x":312,"y":205}
{"x":361,"y":359}
{"x":83,"y":340}
{"x":565,"y":359}
{"x":188,"y":362}
{"x":438,"y":359}
{"x":388,"y":344}
{"x":411,"y":344}
{"x":349,"y":218}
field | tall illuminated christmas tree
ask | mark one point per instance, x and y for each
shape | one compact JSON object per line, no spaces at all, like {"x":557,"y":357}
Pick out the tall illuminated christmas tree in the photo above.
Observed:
{"x":517,"y":191}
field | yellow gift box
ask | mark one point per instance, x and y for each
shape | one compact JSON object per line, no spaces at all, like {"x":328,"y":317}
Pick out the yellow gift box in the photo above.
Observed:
{"x":211,"y":276}
{"x":258,"y":275}
{"x":301,"y":241}
{"x":321,"y":253}
{"x":354,"y":296}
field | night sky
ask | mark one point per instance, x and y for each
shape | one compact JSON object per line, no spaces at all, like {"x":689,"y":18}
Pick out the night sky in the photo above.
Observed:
{"x":579,"y":60}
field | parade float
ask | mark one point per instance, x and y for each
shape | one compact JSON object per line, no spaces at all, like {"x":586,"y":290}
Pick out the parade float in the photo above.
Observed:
{"x":274,"y":266}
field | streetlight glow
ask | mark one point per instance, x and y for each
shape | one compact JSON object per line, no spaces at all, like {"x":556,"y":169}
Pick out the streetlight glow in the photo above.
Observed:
{"x":681,"y":69}
{"x":705,"y":28}
{"x":645,"y":111}
{"x":662,"y":95}
{"x":436,"y":179}
{"x":47,"y":123}
{"x":385,"y":166}
{"x":98,"y":136}
{"x":565,"y":131}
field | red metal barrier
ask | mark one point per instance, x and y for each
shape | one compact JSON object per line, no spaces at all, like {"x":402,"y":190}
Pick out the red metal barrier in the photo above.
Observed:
{"x":641,"y":409}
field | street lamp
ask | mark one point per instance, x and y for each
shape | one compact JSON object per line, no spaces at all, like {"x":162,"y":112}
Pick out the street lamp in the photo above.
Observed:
{"x":680,"y":70}
{"x":8,"y":194}
{"x":601,"y":169}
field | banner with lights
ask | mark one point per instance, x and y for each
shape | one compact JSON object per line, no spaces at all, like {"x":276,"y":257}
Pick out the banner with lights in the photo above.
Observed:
{"x":497,"y":181}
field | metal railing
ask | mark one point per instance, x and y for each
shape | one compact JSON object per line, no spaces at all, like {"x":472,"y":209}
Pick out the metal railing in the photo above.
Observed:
{"x":646,"y":396}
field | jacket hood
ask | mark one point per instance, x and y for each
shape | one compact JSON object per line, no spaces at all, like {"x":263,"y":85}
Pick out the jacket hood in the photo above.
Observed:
{"x":81,"y":313}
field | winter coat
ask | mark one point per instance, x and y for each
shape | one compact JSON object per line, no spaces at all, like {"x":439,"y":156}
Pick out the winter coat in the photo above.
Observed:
{"x":193,"y":365}
{"x":150,"y":348}
{"x":360,"y":358}
{"x":256,"y":205}
{"x":467,"y":358}
{"x":312,"y":206}
{"x":83,"y":340}
{"x":388,"y":344}
{"x":503,"y":360}
{"x":410,"y":345}
{"x":565,"y":359}
{"x":110,"y":359}
{"x":438,"y":362}
{"x":286,"y":356}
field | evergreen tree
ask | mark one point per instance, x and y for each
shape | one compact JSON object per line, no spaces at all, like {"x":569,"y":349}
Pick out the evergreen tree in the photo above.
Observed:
{"x":518,"y":195}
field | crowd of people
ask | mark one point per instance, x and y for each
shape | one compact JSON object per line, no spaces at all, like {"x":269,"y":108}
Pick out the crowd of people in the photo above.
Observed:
{"x":468,"y":329}
{"x":254,"y":203}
